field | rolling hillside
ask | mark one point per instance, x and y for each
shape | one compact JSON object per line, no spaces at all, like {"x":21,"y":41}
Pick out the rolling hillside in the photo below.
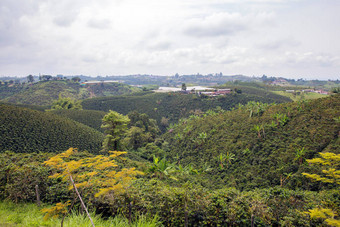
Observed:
{"x":45,"y":92}
{"x":91,"y":118}
{"x":23,"y":130}
{"x":258,"y":149}
{"x":174,"y":106}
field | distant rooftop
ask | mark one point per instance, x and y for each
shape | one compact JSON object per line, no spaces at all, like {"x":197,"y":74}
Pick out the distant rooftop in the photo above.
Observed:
{"x":170,"y":89}
{"x":101,"y":81}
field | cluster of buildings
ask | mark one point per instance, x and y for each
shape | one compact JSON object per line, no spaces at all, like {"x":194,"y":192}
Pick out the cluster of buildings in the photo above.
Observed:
{"x":217,"y":92}
{"x":319,"y":91}
{"x":94,"y":82}
{"x":196,"y":90}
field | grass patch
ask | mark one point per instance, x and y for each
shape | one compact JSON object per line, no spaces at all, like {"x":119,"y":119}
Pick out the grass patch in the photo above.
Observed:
{"x":302,"y":96}
{"x":25,"y":214}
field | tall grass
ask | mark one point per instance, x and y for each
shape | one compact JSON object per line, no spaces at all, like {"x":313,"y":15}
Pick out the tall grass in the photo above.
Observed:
{"x":25,"y":214}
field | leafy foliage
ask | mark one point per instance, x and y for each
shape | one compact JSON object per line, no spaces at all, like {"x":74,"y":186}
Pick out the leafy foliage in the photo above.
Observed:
{"x":173,"y":200}
{"x":96,"y":173}
{"x":55,"y":211}
{"x":20,"y":173}
{"x":266,"y":148}
{"x":332,"y":175}
{"x":326,"y":214}
{"x":115,"y":125}
{"x":142,"y":130}
{"x":66,"y":103}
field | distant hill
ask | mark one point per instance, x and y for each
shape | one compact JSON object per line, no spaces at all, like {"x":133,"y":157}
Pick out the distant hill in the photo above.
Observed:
{"x":103,"y":89}
{"x":174,"y":106}
{"x":24,"y":130}
{"x":263,"y":150}
{"x":45,"y":92}
{"x":9,"y":90}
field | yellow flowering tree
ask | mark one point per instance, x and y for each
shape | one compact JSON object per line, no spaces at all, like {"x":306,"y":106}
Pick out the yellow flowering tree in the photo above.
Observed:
{"x":97,"y":173}
{"x":330,"y":174}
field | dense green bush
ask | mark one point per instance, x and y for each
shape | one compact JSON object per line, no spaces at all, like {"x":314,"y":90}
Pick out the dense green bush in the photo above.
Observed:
{"x":25,"y":130}
{"x":175,"y":203}
{"x":261,"y":150}
{"x":199,"y":206}
{"x":19,"y":175}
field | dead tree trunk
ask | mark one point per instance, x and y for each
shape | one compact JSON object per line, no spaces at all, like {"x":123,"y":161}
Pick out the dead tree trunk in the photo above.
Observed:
{"x":81,"y":200}
{"x":38,"y":195}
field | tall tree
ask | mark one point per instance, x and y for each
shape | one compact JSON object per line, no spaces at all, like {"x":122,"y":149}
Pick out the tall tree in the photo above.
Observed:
{"x":330,"y":174}
{"x":115,"y":125}
{"x":30,"y":79}
{"x":46,"y":77}
{"x":95,"y":173}
{"x":76,"y":79}
{"x":184,"y":87}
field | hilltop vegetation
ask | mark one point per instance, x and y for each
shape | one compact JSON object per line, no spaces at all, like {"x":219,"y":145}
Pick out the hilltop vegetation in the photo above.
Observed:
{"x":45,"y":92}
{"x":8,"y":91}
{"x":110,"y":89}
{"x":25,"y":130}
{"x":32,"y":107}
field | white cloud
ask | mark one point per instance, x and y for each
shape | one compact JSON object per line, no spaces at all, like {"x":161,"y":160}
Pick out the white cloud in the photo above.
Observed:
{"x":163,"y":37}
{"x":99,"y":23}
{"x":311,"y":59}
{"x":216,"y":25}
{"x":279,"y":43}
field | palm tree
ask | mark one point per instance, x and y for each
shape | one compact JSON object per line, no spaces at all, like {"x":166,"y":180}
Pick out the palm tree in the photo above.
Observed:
{"x":225,"y":158}
{"x":161,"y":168}
{"x":299,"y":155}
{"x":251,"y":107}
{"x":258,"y":129}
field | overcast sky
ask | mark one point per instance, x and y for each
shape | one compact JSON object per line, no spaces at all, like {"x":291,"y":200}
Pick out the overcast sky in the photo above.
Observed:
{"x":289,"y":38}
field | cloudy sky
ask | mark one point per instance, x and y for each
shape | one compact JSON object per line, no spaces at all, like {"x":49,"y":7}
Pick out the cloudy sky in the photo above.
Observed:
{"x":290,"y":38}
